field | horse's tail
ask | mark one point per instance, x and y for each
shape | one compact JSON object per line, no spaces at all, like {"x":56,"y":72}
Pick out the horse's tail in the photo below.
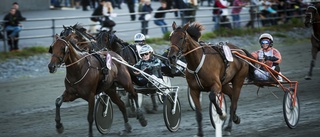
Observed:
{"x":251,"y":68}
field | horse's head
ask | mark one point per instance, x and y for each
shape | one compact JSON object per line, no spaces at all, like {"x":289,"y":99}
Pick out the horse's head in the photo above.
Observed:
{"x":59,"y":50}
{"x":109,"y":39}
{"x":178,"y":39}
{"x":311,"y":13}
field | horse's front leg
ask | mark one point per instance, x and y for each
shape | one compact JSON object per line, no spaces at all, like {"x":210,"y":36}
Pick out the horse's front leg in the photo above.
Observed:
{"x":216,"y":89}
{"x":91,"y":101}
{"x":314,"y":52}
{"x":195,"y":95}
{"x":59,"y":126}
{"x":63,"y":98}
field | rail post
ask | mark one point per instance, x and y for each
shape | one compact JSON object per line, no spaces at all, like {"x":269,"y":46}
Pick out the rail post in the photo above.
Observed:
{"x":5,"y":39}
{"x":53,"y":29}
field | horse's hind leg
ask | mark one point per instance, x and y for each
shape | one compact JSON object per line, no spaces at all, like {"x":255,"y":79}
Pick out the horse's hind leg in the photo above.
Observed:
{"x":228,"y":90}
{"x":115,"y":98}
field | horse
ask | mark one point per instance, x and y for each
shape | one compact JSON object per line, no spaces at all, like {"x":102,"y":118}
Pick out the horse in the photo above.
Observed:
{"x":313,"y":19}
{"x":85,"y":78}
{"x":126,"y":51}
{"x":207,"y":70}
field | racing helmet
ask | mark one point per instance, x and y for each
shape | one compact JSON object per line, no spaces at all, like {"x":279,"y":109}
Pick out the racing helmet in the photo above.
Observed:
{"x":268,"y":36}
{"x":146,"y":49}
{"x":139,"y":37}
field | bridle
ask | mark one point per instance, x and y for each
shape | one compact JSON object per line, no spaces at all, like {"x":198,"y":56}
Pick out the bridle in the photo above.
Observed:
{"x":312,"y":19}
{"x":178,"y":46}
{"x":61,"y":59}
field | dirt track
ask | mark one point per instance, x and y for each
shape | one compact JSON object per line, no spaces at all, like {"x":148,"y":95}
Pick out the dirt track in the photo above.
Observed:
{"x":28,"y":110}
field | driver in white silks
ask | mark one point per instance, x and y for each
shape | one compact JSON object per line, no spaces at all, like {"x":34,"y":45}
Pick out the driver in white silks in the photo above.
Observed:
{"x":139,"y":40}
{"x":268,"y":55}
{"x":152,"y":66}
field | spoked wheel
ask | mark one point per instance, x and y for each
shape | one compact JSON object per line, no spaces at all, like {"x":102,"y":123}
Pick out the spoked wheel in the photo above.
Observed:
{"x":172,"y":117}
{"x":191,"y":103}
{"x":291,"y":108}
{"x":214,"y":116}
{"x":167,"y":81}
{"x":103,"y":114}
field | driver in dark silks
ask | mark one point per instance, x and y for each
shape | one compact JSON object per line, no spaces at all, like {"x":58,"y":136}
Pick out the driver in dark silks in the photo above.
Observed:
{"x":151,"y":65}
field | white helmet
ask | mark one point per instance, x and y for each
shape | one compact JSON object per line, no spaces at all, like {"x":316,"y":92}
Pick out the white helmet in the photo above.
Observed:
{"x":146,"y":49}
{"x":139,"y":37}
{"x":266,"y":35}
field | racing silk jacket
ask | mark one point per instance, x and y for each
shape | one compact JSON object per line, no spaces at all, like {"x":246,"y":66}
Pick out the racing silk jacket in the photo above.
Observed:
{"x":152,"y":66}
{"x":259,"y":55}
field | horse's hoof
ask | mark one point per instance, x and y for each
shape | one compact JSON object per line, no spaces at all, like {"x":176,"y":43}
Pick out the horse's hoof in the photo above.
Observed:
{"x":143,"y":122}
{"x":127,"y":127}
{"x":227,"y":133}
{"x":307,"y":77}
{"x":124,"y":133}
{"x":237,"y":120}
{"x":151,"y":111}
{"x":223,"y":116}
{"x":59,"y":128}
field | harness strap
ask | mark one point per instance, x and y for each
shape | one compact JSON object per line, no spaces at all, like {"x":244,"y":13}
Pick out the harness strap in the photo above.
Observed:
{"x":197,"y":70}
{"x":226,"y":62}
{"x":81,"y":77}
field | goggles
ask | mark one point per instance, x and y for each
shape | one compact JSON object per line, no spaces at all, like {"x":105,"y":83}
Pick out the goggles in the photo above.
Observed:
{"x":265,"y":42}
{"x":144,"y":54}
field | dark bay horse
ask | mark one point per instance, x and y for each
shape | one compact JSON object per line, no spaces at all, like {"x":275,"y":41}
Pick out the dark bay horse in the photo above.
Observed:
{"x":313,"y":19}
{"x":112,"y":42}
{"x":208,"y":71}
{"x":85,"y":79}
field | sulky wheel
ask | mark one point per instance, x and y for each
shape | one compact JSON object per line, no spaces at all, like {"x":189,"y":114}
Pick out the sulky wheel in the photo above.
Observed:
{"x":214,"y":116}
{"x":291,"y":108}
{"x":171,"y":119}
{"x":103,"y":114}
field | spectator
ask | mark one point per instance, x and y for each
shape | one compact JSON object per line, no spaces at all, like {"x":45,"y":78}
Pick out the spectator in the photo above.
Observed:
{"x":15,"y":5}
{"x":160,"y":15}
{"x":145,"y":6}
{"x":13,"y":27}
{"x":238,"y":4}
{"x":217,"y":13}
{"x":268,"y":55}
{"x":131,"y":5}
{"x":104,"y":10}
{"x":253,"y":13}
{"x":85,"y":4}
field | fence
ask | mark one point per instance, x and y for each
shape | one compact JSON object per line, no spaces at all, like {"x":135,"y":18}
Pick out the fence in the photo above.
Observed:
{"x":49,"y":26}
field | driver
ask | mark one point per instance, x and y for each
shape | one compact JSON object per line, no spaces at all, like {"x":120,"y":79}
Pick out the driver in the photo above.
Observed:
{"x":139,"y":40}
{"x":268,"y":55}
{"x":151,"y":65}
{"x":148,"y":63}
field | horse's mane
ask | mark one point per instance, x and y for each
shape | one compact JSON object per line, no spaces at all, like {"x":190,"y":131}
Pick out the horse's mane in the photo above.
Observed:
{"x":194,"y":30}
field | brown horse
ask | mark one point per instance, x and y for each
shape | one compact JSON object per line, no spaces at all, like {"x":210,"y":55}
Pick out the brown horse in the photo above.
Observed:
{"x":207,"y":70}
{"x":85,"y":79}
{"x":313,"y":19}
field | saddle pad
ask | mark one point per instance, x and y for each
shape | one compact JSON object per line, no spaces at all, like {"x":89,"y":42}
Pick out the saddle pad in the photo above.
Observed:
{"x":108,"y":61}
{"x":227,"y":53}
